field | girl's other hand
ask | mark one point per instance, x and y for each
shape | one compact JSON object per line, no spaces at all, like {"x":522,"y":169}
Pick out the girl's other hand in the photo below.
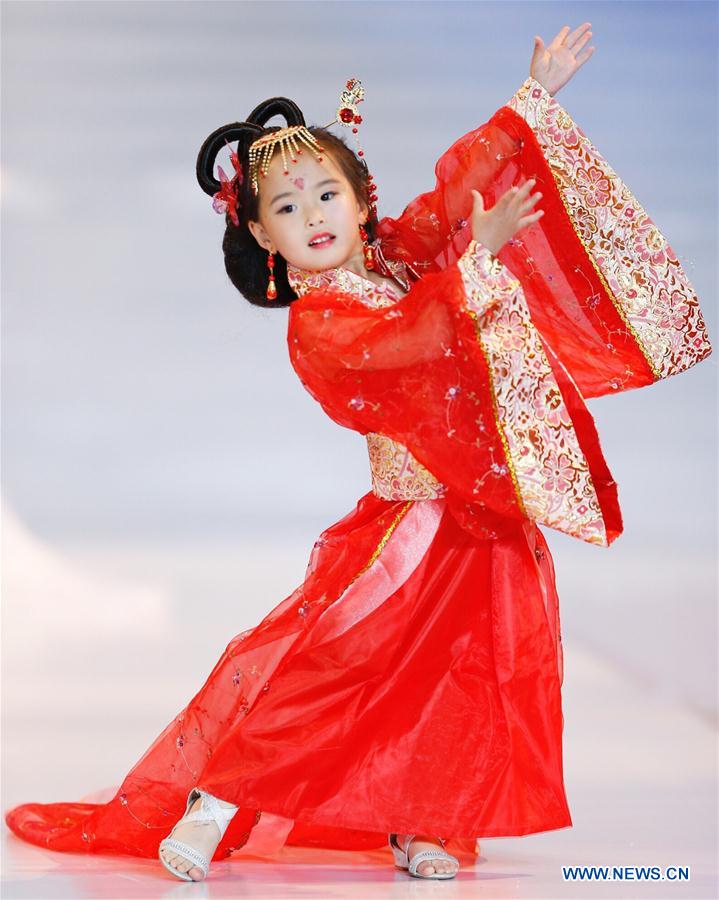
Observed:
{"x":494,"y":227}
{"x":552,"y":66}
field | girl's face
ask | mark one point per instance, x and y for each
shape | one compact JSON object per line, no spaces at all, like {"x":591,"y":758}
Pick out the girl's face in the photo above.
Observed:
{"x":313,"y":199}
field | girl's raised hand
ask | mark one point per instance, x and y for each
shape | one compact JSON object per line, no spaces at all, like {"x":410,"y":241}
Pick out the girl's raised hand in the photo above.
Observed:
{"x":552,"y":66}
{"x":494,"y":227}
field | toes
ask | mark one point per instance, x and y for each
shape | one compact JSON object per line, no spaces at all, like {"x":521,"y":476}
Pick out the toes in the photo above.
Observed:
{"x":196,"y":874}
{"x":179,"y":863}
{"x":441,"y":866}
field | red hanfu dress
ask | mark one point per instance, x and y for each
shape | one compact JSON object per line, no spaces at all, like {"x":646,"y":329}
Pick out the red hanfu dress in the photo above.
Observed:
{"x":412,"y":682}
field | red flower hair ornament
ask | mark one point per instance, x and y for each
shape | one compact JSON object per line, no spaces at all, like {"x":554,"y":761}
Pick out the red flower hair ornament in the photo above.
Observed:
{"x":227,"y":200}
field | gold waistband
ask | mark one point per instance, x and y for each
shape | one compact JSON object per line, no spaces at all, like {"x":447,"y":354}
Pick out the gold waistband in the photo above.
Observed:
{"x":397,"y":475}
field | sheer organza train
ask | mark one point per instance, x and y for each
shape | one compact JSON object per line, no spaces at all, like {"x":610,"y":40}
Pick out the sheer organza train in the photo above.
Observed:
{"x":410,"y":684}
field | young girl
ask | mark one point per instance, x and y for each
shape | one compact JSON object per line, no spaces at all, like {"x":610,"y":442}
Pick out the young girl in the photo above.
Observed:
{"x":411,"y":685}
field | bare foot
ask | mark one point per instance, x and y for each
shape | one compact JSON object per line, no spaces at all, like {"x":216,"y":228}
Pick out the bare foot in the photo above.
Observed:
{"x":201,"y":836}
{"x":422,"y":842}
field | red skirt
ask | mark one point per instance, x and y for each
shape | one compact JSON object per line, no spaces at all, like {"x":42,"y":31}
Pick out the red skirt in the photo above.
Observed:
{"x":411,"y":683}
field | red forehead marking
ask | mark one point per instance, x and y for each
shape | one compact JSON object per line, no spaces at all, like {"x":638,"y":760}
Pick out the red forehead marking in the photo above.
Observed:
{"x":299,"y":182}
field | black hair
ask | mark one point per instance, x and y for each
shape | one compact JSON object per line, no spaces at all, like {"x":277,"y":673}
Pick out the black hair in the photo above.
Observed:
{"x":245,"y":260}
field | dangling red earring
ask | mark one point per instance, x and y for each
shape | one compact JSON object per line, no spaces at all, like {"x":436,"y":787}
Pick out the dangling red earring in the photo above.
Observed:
{"x":368,"y":251}
{"x":271,"y":287}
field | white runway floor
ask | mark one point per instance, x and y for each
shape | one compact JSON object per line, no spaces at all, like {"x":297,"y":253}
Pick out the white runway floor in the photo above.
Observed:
{"x":639,"y":766}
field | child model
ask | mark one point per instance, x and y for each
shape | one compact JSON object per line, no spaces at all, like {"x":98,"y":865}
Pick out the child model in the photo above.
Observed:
{"x":411,"y":685}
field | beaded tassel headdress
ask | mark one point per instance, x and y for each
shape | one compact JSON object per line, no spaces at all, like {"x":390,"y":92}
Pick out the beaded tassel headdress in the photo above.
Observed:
{"x":291,"y":142}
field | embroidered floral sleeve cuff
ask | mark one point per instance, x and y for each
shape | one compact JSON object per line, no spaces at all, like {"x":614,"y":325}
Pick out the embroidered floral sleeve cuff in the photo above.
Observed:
{"x":531,"y":101}
{"x":638,"y":269}
{"x":487,"y":281}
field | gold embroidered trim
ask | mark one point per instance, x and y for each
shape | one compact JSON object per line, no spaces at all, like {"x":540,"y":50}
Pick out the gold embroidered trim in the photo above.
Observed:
{"x":486,"y":279}
{"x":397,"y":474}
{"x":615,"y":300}
{"x":480,"y":296}
{"x":545,"y":460}
{"x":340,"y":279}
{"x":387,"y":535}
{"x":495,"y":411}
{"x":635,"y":264}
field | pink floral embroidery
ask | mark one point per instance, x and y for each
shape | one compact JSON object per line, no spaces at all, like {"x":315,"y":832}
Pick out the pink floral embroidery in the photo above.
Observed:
{"x":550,"y":468}
{"x":486,"y":280}
{"x":649,"y":245}
{"x":594,"y":185}
{"x":509,"y":331}
{"x":557,"y":471}
{"x":562,"y":130}
{"x":550,"y":407}
{"x":586,"y":220}
{"x":616,"y":234}
{"x":676,"y":311}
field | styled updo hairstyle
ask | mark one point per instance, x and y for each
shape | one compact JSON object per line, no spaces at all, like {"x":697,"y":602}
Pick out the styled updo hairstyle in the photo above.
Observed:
{"x":245,"y":260}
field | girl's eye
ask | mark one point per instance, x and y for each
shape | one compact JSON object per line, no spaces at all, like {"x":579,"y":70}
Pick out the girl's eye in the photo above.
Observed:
{"x":289,"y":205}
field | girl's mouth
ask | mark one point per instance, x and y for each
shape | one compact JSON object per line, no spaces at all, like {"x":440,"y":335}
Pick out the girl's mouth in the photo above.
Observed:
{"x":323,"y":241}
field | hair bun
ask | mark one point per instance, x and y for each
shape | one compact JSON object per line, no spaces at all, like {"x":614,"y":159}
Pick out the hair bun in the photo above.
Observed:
{"x":277,"y":106}
{"x":244,"y":133}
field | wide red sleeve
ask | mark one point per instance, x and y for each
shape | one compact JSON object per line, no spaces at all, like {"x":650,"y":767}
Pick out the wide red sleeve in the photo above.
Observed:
{"x":604,"y":287}
{"x":457,"y":373}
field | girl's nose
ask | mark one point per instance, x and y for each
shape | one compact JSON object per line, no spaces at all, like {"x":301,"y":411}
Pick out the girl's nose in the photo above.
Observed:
{"x":314,"y":219}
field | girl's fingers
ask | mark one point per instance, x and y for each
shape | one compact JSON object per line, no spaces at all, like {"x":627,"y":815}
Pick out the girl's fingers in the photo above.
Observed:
{"x":520,"y":192}
{"x":580,"y":43}
{"x":584,"y":56}
{"x":559,"y":38}
{"x":478,"y":199}
{"x":519,"y":196}
{"x":538,"y":50}
{"x":527,"y":220}
{"x":575,"y":35}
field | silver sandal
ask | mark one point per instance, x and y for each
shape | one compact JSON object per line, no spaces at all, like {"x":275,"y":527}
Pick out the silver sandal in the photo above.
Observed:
{"x":401,"y":858}
{"x":209,"y":811}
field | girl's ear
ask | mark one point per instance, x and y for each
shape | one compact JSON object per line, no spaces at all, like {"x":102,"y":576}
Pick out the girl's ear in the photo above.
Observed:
{"x":260,"y":235}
